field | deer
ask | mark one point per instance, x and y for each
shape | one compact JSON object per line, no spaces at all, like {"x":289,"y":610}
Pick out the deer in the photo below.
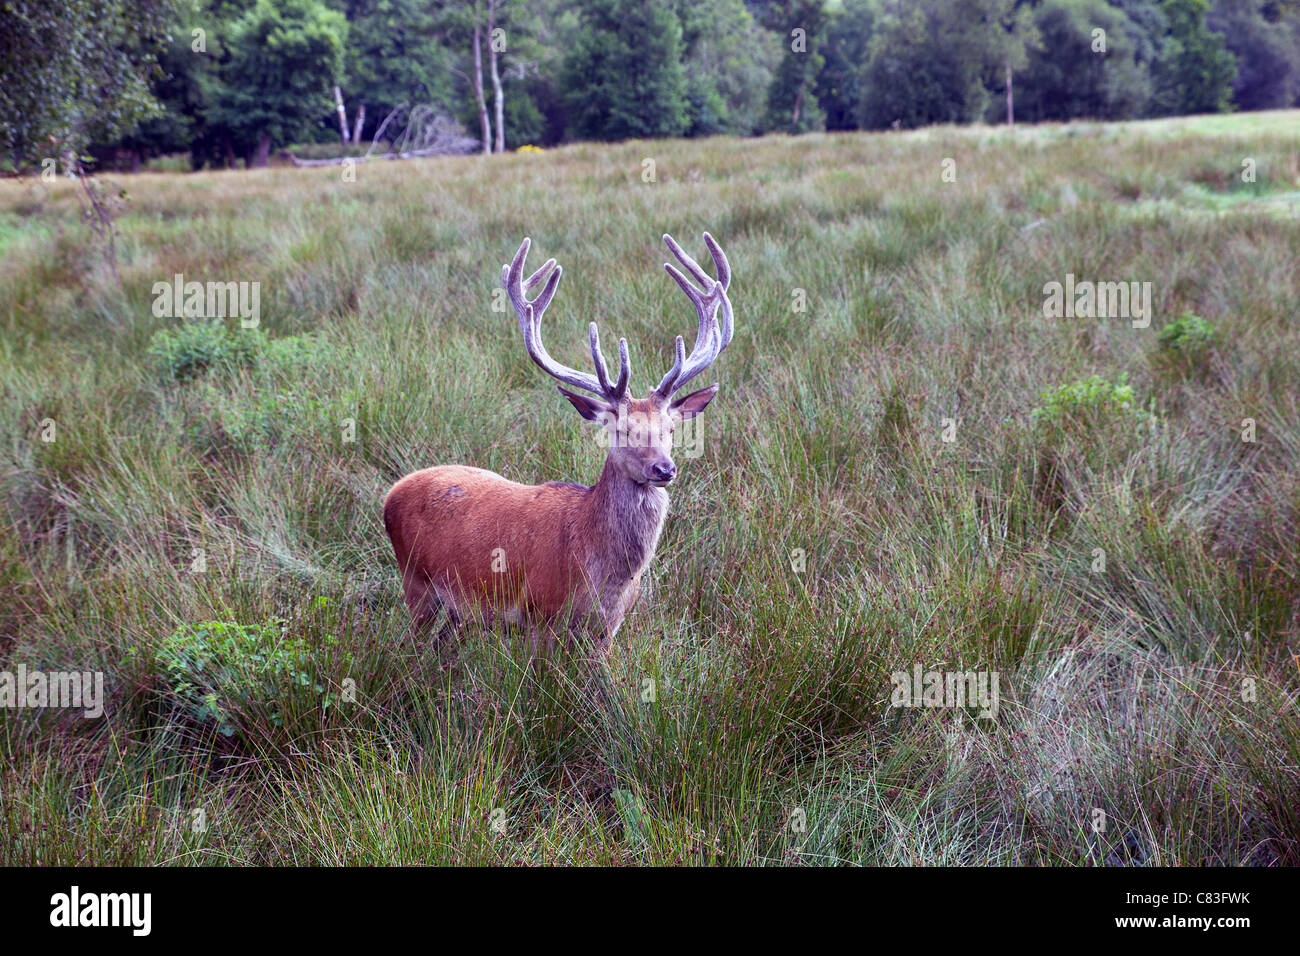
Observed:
{"x":560,"y":558}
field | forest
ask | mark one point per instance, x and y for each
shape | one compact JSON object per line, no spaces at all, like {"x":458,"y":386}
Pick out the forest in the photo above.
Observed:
{"x":230,"y":83}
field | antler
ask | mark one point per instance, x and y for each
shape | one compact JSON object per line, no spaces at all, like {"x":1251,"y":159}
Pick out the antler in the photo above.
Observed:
{"x":530,"y":319}
{"x":710,"y":340}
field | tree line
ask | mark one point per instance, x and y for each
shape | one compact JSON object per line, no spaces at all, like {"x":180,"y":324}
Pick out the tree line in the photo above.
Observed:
{"x":228,"y":81}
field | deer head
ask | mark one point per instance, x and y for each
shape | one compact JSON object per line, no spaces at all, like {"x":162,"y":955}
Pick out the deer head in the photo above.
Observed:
{"x":639,"y":430}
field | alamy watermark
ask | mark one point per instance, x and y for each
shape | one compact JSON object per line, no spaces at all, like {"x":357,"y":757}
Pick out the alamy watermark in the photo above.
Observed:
{"x":30,"y":689}
{"x":1098,"y":300}
{"x":74,"y":909}
{"x":952,"y":690}
{"x":179,"y":299}
{"x":629,"y":429}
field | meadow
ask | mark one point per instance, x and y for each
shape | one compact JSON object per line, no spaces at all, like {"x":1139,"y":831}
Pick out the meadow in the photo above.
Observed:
{"x":908,"y":464}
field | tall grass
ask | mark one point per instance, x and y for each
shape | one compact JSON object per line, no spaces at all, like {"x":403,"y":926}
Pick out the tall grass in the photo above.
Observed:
{"x":828,"y":537}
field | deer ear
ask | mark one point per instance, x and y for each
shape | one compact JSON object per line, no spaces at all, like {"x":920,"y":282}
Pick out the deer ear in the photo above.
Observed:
{"x":592,"y":409}
{"x":691,"y":405}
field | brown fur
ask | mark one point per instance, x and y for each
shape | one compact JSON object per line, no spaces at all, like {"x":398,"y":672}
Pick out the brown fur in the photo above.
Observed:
{"x":494,"y":549}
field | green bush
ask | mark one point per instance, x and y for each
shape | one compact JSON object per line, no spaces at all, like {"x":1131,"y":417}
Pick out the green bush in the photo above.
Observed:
{"x":1087,"y":403}
{"x":261,"y":399}
{"x":1185,"y":346}
{"x":1082,"y":427}
{"x":295,"y":353}
{"x":195,"y":347}
{"x":222,"y":672}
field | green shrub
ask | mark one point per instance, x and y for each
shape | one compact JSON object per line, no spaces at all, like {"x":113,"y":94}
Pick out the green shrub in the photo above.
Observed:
{"x":222,"y":672}
{"x":296,"y":353}
{"x":197,"y":347}
{"x":1188,"y":333}
{"x":194,"y":347}
{"x":1087,"y":403}
{"x":1185,"y":346}
{"x":1083,"y":427}
{"x":282,"y":392}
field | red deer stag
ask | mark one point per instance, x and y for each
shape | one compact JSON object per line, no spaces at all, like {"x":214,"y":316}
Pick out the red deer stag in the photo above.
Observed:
{"x":546,"y":555}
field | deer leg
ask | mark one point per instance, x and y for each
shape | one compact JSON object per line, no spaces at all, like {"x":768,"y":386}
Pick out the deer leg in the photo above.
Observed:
{"x":593,"y":631}
{"x":426,"y":606}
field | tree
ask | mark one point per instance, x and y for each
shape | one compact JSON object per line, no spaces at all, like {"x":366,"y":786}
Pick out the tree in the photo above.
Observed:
{"x":728,"y":59}
{"x":1265,"y":39}
{"x":396,"y":54}
{"x":496,"y":46}
{"x":187,"y":70}
{"x":847,"y":45}
{"x":522,"y":59}
{"x":1070,"y":75}
{"x":504,"y":36}
{"x":1194,"y":71}
{"x":285,"y":58}
{"x":935,"y":61}
{"x":74,"y":72}
{"x":941,"y":61}
{"x":624,"y":76}
{"x":1014,"y":32}
{"x":467,"y":24}
{"x":792,"y":101}
{"x":903,"y":83}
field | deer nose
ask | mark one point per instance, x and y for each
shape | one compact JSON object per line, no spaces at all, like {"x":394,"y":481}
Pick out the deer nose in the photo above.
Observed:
{"x":663,"y":471}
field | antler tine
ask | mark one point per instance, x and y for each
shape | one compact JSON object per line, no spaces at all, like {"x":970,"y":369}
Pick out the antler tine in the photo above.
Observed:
{"x":724,"y":279}
{"x":544,"y":298}
{"x":685,"y":259}
{"x":710,"y":340}
{"x":619,"y":388}
{"x":530,"y":314}
{"x":530,"y":317}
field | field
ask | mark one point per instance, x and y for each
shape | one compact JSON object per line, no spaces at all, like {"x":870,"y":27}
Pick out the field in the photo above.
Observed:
{"x":909,"y":464}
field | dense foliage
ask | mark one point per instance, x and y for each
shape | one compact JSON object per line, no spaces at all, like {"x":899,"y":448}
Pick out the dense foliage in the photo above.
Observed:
{"x":75,"y":70}
{"x":228,"y":80}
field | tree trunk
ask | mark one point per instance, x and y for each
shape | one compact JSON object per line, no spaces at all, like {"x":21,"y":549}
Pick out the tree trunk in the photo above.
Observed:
{"x":361,"y":122}
{"x":798,"y":107}
{"x":1011,"y":111}
{"x":483,"y":121}
{"x":343,"y":114}
{"x":263,"y":154}
{"x":498,"y":93}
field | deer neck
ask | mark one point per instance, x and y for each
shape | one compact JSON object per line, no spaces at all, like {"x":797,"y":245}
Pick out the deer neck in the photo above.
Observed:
{"x":627,"y":517}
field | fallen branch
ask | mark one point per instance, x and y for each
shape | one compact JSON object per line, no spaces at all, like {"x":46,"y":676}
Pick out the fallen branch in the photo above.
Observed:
{"x":379,"y":133}
{"x":427,"y":133}
{"x":409,"y":154}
